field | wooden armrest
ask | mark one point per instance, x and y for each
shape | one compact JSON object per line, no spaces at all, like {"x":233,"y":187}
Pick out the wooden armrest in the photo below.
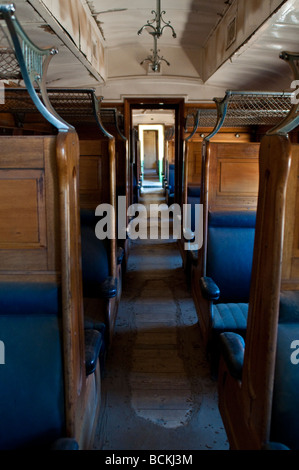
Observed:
{"x":209,"y":288}
{"x":232,"y":348}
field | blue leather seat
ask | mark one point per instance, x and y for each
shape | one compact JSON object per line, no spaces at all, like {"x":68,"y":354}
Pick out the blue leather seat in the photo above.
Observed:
{"x":230,"y":252}
{"x":228,"y":272}
{"x":284,"y":431}
{"x":170,"y":183}
{"x":95,"y":261}
{"x":285,"y":408}
{"x":193,"y":197}
{"x":32,"y":385}
{"x":32,"y":397}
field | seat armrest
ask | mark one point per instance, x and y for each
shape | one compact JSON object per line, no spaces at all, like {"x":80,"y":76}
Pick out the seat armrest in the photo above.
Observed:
{"x":194,"y":257}
{"x":209,"y":288}
{"x":93,"y":343}
{"x":232,"y":348}
{"x":120,"y":255}
{"x":275,"y":446}
{"x":109,"y":287}
{"x":65,"y":443}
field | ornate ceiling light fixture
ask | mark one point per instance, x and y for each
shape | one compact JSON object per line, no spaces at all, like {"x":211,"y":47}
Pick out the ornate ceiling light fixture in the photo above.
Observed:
{"x":156,"y":32}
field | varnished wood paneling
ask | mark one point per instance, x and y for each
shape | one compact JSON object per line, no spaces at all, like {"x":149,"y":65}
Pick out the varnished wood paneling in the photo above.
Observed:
{"x":194,"y":162}
{"x":28,"y":206}
{"x":22,"y":152}
{"x":94,"y":173}
{"x":19,"y":210}
{"x":237,"y":177}
{"x":90,"y":174}
{"x":290,"y":266}
{"x":231,"y":176}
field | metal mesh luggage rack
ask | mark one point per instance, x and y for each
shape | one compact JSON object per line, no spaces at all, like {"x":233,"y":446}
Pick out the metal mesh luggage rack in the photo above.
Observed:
{"x":241,"y":109}
{"x":251,"y":108}
{"x":113,"y":118}
{"x":20,"y":59}
{"x":75,"y":106}
{"x":200,"y":117}
{"x":9,"y":66}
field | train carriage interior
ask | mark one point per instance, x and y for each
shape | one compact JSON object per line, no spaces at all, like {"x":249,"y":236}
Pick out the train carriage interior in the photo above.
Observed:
{"x":149,"y":234}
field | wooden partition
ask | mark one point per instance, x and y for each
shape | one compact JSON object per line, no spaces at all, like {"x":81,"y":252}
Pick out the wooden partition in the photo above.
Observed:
{"x":40,"y":244}
{"x":231,"y":176}
{"x":290,"y":265}
{"x":51,"y":382}
{"x":200,"y":123}
{"x":112,"y":119}
{"x":97,"y":178}
{"x":98,"y":186}
{"x":230,"y":183}
{"x":246,"y":399}
{"x":29,"y":208}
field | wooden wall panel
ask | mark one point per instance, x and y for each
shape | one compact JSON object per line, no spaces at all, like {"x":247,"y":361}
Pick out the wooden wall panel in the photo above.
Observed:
{"x":232,"y":175}
{"x":94,"y":173}
{"x":24,"y":225}
{"x":194,"y":163}
{"x":290,"y":266}
{"x":236,"y":177}
{"x":28,"y":211}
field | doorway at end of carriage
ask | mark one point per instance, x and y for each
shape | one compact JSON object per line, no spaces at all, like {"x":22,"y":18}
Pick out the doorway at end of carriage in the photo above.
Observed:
{"x":151,"y":137}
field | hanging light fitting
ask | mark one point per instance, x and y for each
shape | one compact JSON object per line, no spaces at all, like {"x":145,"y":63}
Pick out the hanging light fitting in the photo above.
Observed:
{"x":156,"y":32}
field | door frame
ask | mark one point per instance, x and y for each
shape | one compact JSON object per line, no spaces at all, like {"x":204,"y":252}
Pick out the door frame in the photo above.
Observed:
{"x":177,"y":104}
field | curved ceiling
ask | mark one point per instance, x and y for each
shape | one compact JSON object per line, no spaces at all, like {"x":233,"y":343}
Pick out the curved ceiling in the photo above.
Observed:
{"x":219,"y":45}
{"x":192,"y":20}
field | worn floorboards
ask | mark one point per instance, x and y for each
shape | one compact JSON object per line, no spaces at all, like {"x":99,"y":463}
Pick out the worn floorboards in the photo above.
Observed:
{"x":157,"y":392}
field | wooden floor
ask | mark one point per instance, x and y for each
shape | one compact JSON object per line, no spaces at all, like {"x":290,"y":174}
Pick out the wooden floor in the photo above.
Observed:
{"x":157,"y":390}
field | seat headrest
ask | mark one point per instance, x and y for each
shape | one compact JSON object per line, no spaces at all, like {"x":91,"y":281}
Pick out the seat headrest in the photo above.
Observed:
{"x":193,"y":191}
{"x":246,"y":219}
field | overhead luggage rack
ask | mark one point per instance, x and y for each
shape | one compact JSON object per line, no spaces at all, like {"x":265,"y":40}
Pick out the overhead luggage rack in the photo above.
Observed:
{"x":200,"y":117}
{"x":21,"y":59}
{"x":9,"y":67}
{"x":240,"y":109}
{"x":251,"y":108}
{"x":112,"y":117}
{"x":74,"y":105}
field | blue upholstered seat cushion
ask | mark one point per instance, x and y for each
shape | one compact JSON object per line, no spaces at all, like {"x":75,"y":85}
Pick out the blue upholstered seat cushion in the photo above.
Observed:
{"x":32,"y":386}
{"x":27,"y":298}
{"x":285,"y":412}
{"x":171,"y":179}
{"x":230,"y":253}
{"x":289,"y":307}
{"x":229,"y":317}
{"x":88,"y":217}
{"x":95,"y":265}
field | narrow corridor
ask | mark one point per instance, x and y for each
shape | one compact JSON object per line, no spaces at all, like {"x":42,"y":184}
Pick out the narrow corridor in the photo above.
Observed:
{"x":157,"y":392}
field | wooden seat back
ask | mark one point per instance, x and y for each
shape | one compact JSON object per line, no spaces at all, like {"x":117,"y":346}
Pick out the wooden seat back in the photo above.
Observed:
{"x":229,"y":183}
{"x":248,"y":419}
{"x":40,"y":241}
{"x":40,"y":254}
